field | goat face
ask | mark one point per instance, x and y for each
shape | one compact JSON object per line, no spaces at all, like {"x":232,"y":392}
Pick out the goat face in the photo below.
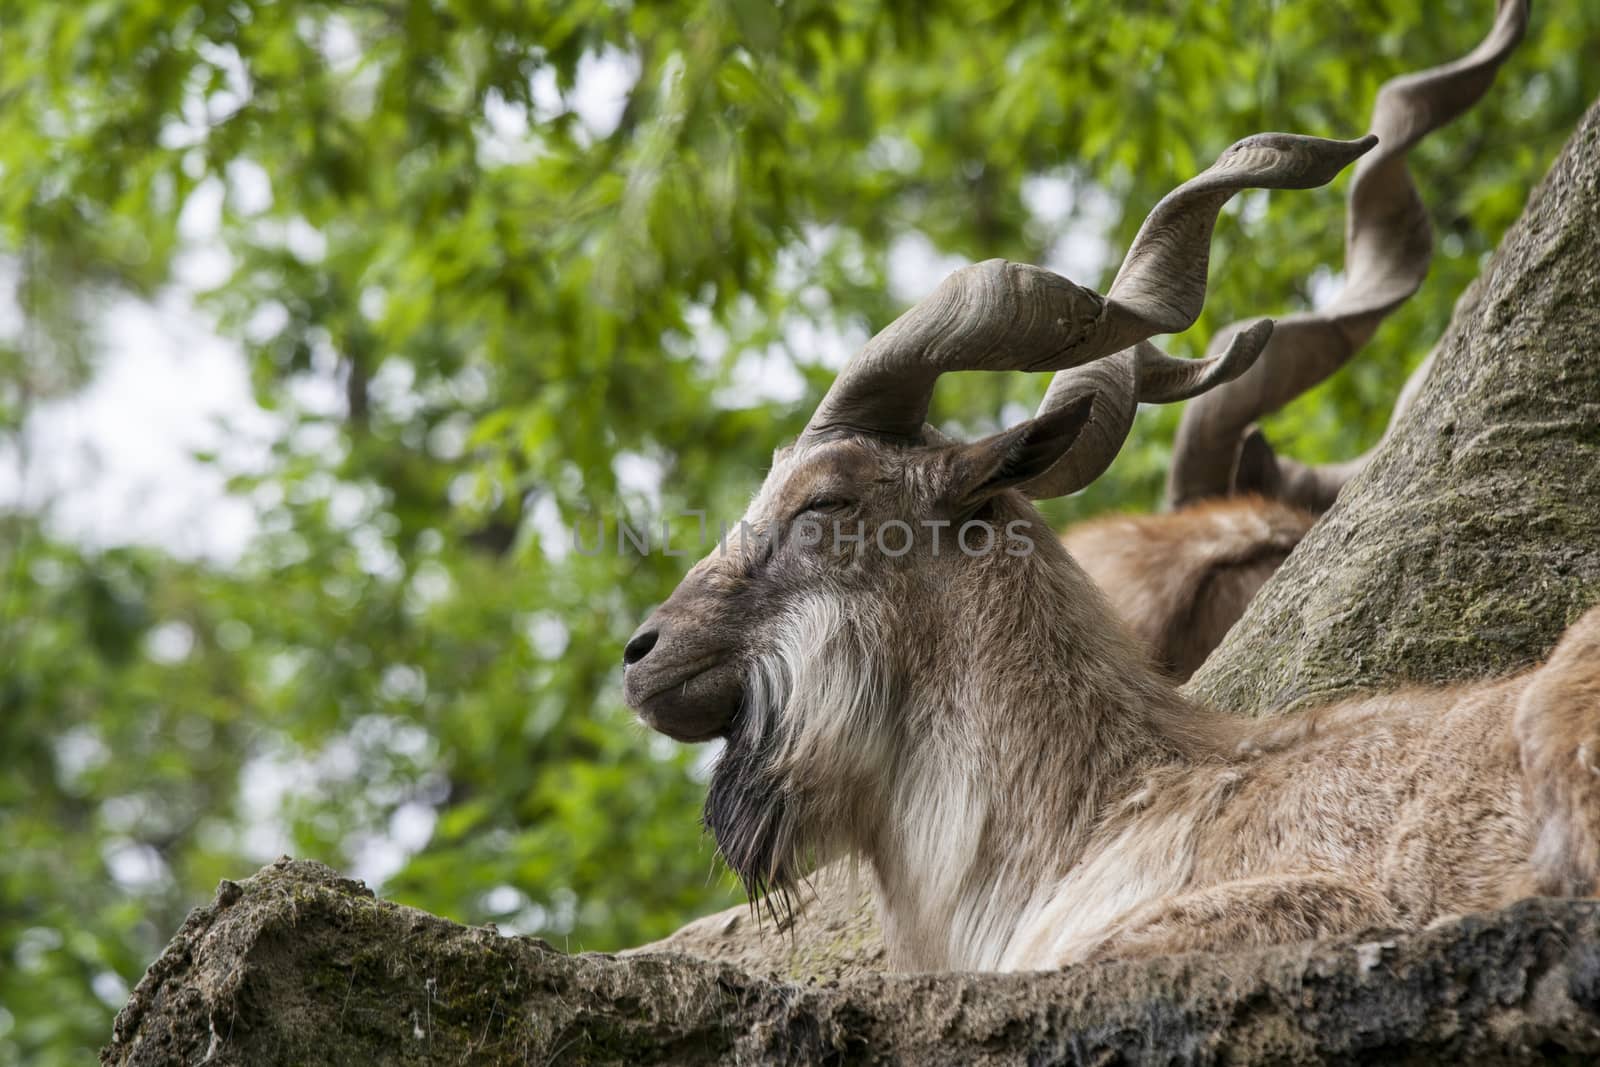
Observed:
{"x":787,"y":639}
{"x":866,"y":457}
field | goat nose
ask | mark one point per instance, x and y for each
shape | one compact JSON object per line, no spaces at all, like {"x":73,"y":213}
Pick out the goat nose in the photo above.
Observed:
{"x":639,"y":646}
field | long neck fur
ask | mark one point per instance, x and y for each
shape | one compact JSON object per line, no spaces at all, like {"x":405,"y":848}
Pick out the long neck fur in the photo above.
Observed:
{"x":1021,"y":713}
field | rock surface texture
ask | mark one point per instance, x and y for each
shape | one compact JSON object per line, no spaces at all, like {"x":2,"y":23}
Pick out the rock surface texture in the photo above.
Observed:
{"x":299,"y":965}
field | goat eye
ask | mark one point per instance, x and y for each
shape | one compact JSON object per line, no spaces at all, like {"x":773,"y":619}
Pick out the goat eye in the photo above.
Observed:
{"x":824,"y":505}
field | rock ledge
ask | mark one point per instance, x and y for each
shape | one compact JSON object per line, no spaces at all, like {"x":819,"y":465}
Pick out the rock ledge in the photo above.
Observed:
{"x":299,"y":965}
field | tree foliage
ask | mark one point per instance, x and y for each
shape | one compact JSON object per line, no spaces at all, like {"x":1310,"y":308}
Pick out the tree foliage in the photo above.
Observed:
{"x":502,"y":267}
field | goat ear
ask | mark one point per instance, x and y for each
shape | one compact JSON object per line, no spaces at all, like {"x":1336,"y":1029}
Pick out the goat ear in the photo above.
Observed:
{"x":1255,"y":466}
{"x":1020,"y":454}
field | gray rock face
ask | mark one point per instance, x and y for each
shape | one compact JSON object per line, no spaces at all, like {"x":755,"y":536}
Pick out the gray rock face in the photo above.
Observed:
{"x":299,"y":965}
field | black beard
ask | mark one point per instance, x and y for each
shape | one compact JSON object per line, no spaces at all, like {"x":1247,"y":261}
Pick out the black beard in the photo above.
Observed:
{"x":751,"y":818}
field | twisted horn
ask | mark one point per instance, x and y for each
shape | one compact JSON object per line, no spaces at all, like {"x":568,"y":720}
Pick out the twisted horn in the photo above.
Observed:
{"x":997,"y":315}
{"x":1119,"y":383}
{"x":1388,"y":245}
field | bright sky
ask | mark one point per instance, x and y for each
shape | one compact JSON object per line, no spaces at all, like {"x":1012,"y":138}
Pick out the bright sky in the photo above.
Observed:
{"x":116,"y":461}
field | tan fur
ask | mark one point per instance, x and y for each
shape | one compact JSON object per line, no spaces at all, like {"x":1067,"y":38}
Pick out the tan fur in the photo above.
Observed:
{"x":1396,"y":810}
{"x":1180,"y":580}
{"x":1557,"y":729}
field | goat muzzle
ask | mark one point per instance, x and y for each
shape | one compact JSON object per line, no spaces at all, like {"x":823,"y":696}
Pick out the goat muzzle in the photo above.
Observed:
{"x":677,"y":686}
